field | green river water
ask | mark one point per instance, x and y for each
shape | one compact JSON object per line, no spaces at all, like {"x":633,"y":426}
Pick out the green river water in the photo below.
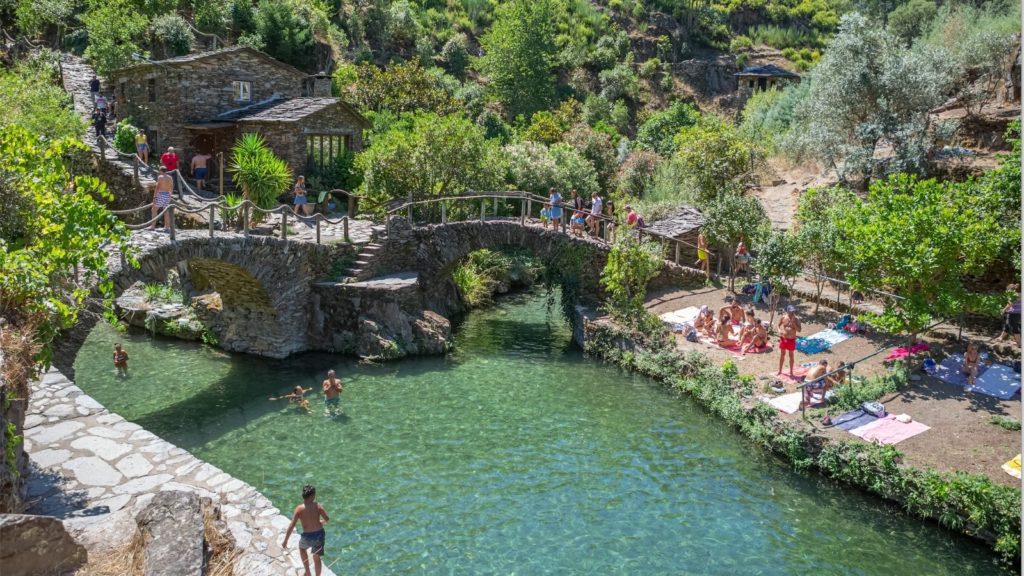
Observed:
{"x":513,"y":455}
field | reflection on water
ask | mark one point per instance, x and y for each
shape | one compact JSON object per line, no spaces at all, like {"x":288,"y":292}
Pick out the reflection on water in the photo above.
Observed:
{"x":512,"y":455}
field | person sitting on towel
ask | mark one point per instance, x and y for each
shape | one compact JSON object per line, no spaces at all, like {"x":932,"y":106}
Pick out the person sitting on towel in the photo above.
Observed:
{"x":972,"y":358}
{"x":814,"y":381}
{"x":747,"y":332}
{"x":724,"y":333}
{"x":760,"y":339}
{"x":705,"y":321}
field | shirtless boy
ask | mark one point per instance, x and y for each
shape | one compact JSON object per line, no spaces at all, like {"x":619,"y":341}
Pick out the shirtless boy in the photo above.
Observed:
{"x":332,"y":393}
{"x":120,"y":360}
{"x":789,"y":327}
{"x":296,"y":397}
{"x":312,"y":538}
{"x":199,"y":169}
{"x":814,"y":381}
{"x":162,"y":197}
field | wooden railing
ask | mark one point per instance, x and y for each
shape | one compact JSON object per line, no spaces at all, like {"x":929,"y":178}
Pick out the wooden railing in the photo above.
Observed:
{"x":526,"y":202}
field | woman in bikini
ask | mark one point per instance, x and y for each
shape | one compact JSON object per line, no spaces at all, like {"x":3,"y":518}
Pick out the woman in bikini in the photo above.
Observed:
{"x":724,"y":333}
{"x":760,"y":339}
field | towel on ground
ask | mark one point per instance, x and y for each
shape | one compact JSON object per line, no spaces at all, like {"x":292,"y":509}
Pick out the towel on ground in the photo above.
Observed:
{"x":787,"y":403}
{"x":904,"y":352}
{"x":949,"y":370}
{"x":821,"y":341}
{"x":1013,"y":467}
{"x":888,"y":430}
{"x":683,"y":316}
{"x":798,"y":375}
{"x":997,"y":380}
{"x":853,"y":419}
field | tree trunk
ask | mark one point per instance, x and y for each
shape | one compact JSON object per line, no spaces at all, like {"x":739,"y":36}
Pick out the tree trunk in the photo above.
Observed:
{"x":819,"y":284}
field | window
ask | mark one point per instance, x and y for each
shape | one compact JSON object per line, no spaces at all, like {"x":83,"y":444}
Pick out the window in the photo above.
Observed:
{"x":322,"y":149}
{"x":242,"y":91}
{"x":151,"y":89}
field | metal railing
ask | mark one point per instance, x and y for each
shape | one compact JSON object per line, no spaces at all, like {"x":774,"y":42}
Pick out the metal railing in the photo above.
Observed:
{"x":526,"y":201}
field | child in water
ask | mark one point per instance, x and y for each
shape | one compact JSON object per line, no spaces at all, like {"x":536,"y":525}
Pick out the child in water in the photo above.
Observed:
{"x":296,"y":397}
{"x":120,"y":360}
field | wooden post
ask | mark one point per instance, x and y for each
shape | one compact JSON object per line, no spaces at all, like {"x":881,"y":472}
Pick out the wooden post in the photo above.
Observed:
{"x":529,"y":207}
{"x":245,"y":219}
{"x":344,"y":227}
{"x":284,"y":224}
{"x":135,"y":169}
{"x":677,"y":252}
{"x":522,"y":212}
{"x":212,"y":215}
{"x":483,"y":210}
{"x":444,"y":211}
{"x":171,"y":209}
{"x":317,"y":228}
{"x":220,"y":169}
{"x":495,"y":206}
{"x":351,"y":206}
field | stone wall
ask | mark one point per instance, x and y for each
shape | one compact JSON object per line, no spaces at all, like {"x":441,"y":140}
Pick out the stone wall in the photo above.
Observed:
{"x":197,"y":91}
{"x":288,"y":139}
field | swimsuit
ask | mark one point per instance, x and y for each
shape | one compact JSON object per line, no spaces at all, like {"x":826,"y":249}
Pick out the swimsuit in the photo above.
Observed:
{"x":163,"y":199}
{"x":336,"y":401}
{"x":201,"y":173}
{"x":313,"y":541}
{"x":300,"y":195}
{"x":787,"y":343}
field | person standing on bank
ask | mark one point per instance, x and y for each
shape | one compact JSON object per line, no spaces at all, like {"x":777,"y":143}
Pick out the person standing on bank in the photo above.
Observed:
{"x":199,"y":169}
{"x":300,"y":195}
{"x":162,"y":198}
{"x":789,"y":327}
{"x":703,"y":256}
{"x":142,"y":146}
{"x":170,"y":161}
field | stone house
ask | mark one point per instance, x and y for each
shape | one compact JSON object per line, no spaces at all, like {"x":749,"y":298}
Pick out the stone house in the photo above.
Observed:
{"x":683,"y":224}
{"x":203,"y":102}
{"x":763,"y":77}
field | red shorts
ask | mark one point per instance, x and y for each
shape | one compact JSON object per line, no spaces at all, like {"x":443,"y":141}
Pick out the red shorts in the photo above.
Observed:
{"x":787,"y":343}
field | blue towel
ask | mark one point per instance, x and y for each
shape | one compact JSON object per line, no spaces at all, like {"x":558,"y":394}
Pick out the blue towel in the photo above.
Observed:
{"x":853,"y":419}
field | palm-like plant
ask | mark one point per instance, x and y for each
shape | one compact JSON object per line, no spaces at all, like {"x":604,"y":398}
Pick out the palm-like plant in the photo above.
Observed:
{"x":260,"y":174}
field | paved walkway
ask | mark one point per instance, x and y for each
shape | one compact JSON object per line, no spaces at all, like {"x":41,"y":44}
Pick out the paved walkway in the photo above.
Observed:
{"x":96,"y":471}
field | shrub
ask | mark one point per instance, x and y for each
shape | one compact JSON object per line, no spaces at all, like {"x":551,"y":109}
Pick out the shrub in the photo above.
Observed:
{"x":124,"y":138}
{"x":619,"y":82}
{"x":650,"y":68}
{"x":171,"y":36}
{"x":260,"y":174}
{"x":657,"y":132}
{"x":636,"y":174}
{"x":455,"y":55}
{"x":739,"y":43}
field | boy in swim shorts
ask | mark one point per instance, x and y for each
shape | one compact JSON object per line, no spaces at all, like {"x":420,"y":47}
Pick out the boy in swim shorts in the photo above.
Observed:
{"x":789,"y":327}
{"x":313,"y":536}
{"x":332,"y":393}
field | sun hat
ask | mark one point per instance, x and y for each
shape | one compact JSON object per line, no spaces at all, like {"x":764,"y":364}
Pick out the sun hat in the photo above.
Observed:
{"x":790,"y":308}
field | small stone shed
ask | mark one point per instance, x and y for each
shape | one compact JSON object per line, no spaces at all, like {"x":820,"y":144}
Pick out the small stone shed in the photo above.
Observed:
{"x":683,"y":224}
{"x":203,"y":102}
{"x":764,"y":77}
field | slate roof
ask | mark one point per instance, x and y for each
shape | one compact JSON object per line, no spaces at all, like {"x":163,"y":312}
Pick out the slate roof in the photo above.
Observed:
{"x":198,"y":56}
{"x":683,"y":221}
{"x":289,"y":110}
{"x":766,"y":70}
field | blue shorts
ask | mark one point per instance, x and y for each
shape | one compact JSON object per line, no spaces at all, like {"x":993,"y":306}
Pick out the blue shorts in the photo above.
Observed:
{"x":578,"y":220}
{"x":313,"y":541}
{"x":336,"y":401}
{"x":200,"y":173}
{"x":555,"y":213}
{"x":300,"y":200}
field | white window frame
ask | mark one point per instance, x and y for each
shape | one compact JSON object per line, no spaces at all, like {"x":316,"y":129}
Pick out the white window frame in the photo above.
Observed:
{"x":241,"y":90}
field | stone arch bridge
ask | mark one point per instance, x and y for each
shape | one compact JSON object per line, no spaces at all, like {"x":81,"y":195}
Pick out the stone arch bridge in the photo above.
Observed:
{"x":272,"y":297}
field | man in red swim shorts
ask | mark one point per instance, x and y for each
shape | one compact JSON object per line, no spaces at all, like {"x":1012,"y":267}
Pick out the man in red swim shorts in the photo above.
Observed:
{"x":789,"y":327}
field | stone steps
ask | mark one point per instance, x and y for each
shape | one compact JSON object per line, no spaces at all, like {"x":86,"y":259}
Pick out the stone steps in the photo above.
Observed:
{"x":362,"y":267}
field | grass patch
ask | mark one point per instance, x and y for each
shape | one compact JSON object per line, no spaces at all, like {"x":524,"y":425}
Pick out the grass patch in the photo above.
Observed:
{"x":160,"y":292}
{"x":1005,"y":423}
{"x":485,"y":272}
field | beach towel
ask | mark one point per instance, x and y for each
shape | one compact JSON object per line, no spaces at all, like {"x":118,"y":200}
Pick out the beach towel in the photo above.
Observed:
{"x":787,"y":403}
{"x":904,"y":352}
{"x":888,"y":430}
{"x":853,"y":419}
{"x":798,"y":375}
{"x":949,"y":370}
{"x":1013,"y":467}
{"x":684,"y":316}
{"x":820,"y":341}
{"x":997,"y":380}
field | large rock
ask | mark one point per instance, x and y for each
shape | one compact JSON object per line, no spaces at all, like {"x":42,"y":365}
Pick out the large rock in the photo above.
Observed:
{"x":172,"y":532}
{"x":37,"y":546}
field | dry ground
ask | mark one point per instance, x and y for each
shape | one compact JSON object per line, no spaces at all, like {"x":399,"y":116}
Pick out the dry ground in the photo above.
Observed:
{"x":962,"y":436}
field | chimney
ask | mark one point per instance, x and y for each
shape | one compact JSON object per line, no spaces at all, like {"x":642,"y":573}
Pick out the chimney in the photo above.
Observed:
{"x":320,"y":85}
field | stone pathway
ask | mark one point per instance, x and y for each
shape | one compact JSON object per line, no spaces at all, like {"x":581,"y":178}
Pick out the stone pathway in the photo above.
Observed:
{"x":96,"y":471}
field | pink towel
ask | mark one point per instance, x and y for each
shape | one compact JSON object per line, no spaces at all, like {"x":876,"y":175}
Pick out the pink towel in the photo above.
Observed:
{"x":904,"y":352}
{"x":888,"y":430}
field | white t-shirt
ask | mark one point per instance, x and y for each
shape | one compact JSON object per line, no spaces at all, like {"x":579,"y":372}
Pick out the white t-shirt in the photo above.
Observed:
{"x":595,"y":208}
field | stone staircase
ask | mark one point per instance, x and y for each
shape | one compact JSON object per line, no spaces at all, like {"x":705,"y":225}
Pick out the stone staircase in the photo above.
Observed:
{"x":362,"y":268}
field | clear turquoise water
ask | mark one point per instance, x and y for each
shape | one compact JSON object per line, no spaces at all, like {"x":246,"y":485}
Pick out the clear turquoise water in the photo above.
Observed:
{"x":513,"y":455}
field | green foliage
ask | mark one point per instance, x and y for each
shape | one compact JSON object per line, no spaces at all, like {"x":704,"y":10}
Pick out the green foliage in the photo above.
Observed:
{"x":714,"y":156}
{"x":124,"y":137}
{"x":740,"y":43}
{"x":658,"y":132}
{"x":619,"y":82}
{"x":731,"y":217}
{"x":63,"y":226}
{"x":868,"y":90}
{"x":171,"y":36}
{"x":635,"y":175}
{"x":209,"y":337}
{"x":519,"y":55}
{"x":284,"y":31}
{"x":425,"y":155}
{"x":485,"y":272}
{"x":768,"y":114}
{"x":909,"y":21}
{"x":631,"y":265}
{"x":455,"y":55}
{"x":597,"y":148}
{"x":162,"y":292}
{"x":818,"y":232}
{"x":955,"y":233}
{"x":31,"y":97}
{"x":573,"y":170}
{"x":33,"y":17}
{"x":404,"y":87}
{"x":339,"y":173}
{"x":1005,"y":423}
{"x":114,"y":27}
{"x":260,"y":174}
{"x":850,"y":396}
{"x":783,"y":37}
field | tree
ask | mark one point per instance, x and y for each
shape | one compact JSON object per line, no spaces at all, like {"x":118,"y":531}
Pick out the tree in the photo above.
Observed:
{"x":573,"y":170}
{"x":866,"y":92}
{"x":778,"y":262}
{"x":285,"y":32}
{"x":729,"y":218}
{"x":817,"y":233}
{"x":171,"y":36}
{"x":260,"y":174}
{"x":768,"y":114}
{"x":909,"y":21}
{"x":455,"y":55}
{"x":919,"y":239}
{"x":597,"y":148}
{"x":713,"y":155}
{"x":635,"y":175}
{"x":631,"y":265}
{"x":424,"y":155}
{"x":114,"y":26}
{"x":658,"y":132}
{"x":520,"y":56}
{"x":402,"y":87}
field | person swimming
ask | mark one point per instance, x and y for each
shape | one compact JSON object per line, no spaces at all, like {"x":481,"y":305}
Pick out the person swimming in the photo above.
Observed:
{"x":297,"y":397}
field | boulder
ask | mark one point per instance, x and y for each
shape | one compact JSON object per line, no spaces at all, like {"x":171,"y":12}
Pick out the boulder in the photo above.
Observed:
{"x":37,"y":546}
{"x":173,"y":535}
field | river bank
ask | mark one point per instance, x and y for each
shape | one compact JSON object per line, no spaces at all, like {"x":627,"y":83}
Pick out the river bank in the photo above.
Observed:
{"x":969,"y":504}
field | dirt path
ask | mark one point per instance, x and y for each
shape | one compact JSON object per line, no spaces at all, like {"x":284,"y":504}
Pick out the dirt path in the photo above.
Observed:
{"x":962,"y":436}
